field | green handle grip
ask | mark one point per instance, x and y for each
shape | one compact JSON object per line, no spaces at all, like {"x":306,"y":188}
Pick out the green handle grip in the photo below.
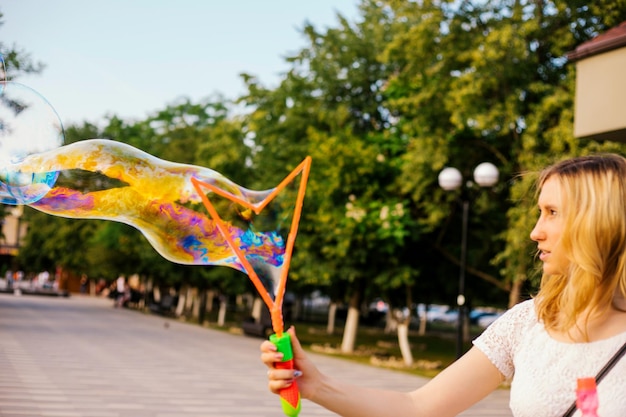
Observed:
{"x":290,"y":396}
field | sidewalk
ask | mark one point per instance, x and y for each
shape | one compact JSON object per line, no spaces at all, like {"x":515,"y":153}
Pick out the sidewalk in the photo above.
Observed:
{"x":80,"y":357}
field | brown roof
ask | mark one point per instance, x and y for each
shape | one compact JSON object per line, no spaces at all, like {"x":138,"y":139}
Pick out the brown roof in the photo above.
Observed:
{"x":612,"y":39}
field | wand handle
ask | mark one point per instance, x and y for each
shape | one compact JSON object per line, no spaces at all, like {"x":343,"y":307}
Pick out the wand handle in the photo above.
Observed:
{"x":290,"y":396}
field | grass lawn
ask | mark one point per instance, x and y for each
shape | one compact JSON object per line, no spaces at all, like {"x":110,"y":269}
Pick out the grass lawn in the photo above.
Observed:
{"x":431,"y":353}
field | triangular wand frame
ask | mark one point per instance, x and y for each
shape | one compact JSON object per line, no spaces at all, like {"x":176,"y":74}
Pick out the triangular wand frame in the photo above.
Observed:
{"x":275,"y":306}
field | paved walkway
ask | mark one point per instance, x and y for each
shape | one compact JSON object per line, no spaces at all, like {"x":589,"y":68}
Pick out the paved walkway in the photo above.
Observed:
{"x":80,"y":357}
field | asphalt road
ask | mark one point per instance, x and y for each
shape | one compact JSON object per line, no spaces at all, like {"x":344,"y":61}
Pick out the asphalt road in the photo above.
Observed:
{"x":80,"y":357}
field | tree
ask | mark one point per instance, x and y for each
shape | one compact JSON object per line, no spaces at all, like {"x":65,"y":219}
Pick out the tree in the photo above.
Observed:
{"x":382,"y":104}
{"x":330,"y":106}
{"x":487,"y":81}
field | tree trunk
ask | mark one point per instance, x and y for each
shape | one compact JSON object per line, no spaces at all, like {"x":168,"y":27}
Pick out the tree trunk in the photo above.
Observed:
{"x":332,"y":314}
{"x":422,"y":328}
{"x":352,"y":321}
{"x":195,"y":306}
{"x":391,"y":324}
{"x":403,"y":340}
{"x":518,"y":280}
{"x":182,"y":297}
{"x":148,"y":292}
{"x":189,"y":299}
{"x":210,"y":295}
{"x":466,"y":325}
{"x":516,"y":290}
{"x":257,"y":305}
{"x":221,"y":316}
{"x":349,"y":331}
{"x":296,"y":309}
{"x":202,"y":307}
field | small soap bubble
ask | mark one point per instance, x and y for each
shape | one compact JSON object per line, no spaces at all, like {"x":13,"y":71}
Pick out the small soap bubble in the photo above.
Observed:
{"x":28,"y":125}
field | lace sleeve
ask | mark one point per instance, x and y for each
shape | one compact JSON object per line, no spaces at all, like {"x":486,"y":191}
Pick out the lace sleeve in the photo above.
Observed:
{"x":501,"y":338}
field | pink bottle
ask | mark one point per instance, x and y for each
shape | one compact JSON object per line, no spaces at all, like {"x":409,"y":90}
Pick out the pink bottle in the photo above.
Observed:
{"x":587,"y":397}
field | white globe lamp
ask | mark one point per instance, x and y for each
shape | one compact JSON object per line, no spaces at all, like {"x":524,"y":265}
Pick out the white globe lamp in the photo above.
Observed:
{"x":486,"y":174}
{"x":450,"y":179}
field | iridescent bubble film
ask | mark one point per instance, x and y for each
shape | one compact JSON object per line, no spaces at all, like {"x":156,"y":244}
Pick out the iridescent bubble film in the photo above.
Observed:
{"x":28,"y":125}
{"x":110,"y":180}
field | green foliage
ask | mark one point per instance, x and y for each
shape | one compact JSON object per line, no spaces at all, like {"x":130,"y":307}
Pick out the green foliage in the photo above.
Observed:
{"x":381,"y":104}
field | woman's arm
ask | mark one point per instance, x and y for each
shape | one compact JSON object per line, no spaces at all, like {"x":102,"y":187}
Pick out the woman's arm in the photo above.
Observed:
{"x":455,"y":389}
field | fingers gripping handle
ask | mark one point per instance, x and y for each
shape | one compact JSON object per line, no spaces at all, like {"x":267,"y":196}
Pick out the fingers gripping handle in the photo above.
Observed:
{"x":290,"y":396}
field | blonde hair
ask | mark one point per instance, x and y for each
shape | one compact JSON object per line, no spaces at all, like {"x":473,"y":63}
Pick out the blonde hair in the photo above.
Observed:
{"x":593,"y":192}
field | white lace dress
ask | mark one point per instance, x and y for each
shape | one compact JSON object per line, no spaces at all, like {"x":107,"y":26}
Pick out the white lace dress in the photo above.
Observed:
{"x":544,"y":371}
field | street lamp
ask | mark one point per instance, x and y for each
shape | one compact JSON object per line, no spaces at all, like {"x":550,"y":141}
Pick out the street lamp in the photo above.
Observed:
{"x":450,"y":179}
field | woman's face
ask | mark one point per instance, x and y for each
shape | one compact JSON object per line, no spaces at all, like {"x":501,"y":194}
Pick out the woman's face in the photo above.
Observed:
{"x":549,"y":227}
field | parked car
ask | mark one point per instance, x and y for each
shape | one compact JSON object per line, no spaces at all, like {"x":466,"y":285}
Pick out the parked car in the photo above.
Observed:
{"x":486,"y":320}
{"x":379,"y":306}
{"x":439,"y":313}
{"x":436,"y":313}
{"x":451,"y":315}
{"x":480,"y":313}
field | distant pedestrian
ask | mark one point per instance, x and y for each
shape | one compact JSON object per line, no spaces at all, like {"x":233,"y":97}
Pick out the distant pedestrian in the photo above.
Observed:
{"x":120,"y":291}
{"x":84,"y":282}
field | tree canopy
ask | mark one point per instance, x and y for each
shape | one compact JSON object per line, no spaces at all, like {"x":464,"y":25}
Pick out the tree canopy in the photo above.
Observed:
{"x":382,"y":104}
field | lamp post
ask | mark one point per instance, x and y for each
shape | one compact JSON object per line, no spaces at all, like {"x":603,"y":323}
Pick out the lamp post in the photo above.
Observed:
{"x":450,"y":179}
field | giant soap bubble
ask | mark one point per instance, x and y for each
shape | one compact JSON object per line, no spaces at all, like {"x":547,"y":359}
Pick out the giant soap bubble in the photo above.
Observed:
{"x":190,"y":214}
{"x":109,"y":180}
{"x":28,"y":125}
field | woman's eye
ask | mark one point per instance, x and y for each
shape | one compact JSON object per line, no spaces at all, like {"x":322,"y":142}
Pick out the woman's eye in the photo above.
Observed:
{"x":547,"y":212}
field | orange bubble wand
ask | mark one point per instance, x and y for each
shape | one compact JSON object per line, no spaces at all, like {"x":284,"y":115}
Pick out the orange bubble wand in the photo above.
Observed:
{"x":290,"y":397}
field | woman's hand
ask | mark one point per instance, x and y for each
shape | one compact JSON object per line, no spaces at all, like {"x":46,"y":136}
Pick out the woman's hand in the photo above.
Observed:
{"x":306,"y":372}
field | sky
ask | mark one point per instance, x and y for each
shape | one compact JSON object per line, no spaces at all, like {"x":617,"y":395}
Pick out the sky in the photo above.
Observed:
{"x":131,"y":58}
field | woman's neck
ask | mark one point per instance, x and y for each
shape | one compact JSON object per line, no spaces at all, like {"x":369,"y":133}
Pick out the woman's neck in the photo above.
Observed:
{"x":592,"y":326}
{"x":619,"y":302}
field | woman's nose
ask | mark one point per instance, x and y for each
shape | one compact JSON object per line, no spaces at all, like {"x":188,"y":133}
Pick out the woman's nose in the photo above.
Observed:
{"x":537,"y":234}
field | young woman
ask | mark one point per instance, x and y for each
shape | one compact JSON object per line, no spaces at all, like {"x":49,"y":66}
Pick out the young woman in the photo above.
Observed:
{"x":571,"y":328}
